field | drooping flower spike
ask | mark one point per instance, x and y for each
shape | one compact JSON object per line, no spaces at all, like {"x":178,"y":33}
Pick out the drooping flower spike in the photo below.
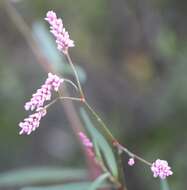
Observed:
{"x":57,"y":29}
{"x":43,"y":94}
{"x":87,"y":143}
{"x":31,"y":123}
{"x":52,"y":83}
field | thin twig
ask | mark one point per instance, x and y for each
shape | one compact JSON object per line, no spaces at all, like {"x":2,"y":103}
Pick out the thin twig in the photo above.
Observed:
{"x":62,"y":98}
{"x":76,"y":74}
{"x":71,"y":82}
{"x":101,"y":122}
{"x":122,"y":148}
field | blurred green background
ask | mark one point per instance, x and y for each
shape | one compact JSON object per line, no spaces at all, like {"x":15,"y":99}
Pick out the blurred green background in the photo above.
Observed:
{"x":132,"y":57}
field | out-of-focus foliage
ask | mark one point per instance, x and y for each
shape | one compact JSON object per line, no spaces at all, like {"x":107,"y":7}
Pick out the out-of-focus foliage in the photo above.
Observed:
{"x":134,"y":54}
{"x":164,"y":185}
{"x":72,"y":186}
{"x":40,"y":175}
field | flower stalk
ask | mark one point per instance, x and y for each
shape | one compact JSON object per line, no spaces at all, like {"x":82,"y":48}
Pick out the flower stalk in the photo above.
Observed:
{"x":76,"y":75}
{"x":132,"y":155}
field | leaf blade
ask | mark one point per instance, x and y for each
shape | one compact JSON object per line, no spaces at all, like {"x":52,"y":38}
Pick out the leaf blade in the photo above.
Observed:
{"x":40,"y":175}
{"x":99,"y":181}
{"x":164,"y":185}
{"x":70,"y":186}
{"x":103,"y":145}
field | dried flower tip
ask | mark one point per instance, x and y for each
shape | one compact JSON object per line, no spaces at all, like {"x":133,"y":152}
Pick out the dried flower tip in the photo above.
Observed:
{"x":57,"y":29}
{"x":161,"y":169}
{"x":32,"y":122}
{"x":131,"y":162}
{"x":43,"y":94}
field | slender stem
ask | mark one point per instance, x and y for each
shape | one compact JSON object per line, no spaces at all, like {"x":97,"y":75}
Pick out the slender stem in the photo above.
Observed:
{"x":100,"y":163}
{"x":142,"y":160}
{"x":76,"y":74}
{"x":71,"y":98}
{"x":132,"y":154}
{"x":71,"y":82}
{"x":104,"y":127}
{"x":62,"y":98}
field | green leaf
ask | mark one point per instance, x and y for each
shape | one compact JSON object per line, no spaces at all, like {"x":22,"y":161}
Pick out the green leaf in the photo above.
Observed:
{"x":70,"y":186}
{"x":164,"y":185}
{"x":100,"y":144}
{"x":40,"y":175}
{"x":99,"y":181}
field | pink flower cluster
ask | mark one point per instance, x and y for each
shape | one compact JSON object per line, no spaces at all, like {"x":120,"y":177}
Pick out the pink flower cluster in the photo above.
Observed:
{"x":57,"y":29}
{"x":131,"y":162}
{"x":87,"y":143}
{"x":43,"y":94}
{"x":32,"y":122}
{"x":160,"y":168}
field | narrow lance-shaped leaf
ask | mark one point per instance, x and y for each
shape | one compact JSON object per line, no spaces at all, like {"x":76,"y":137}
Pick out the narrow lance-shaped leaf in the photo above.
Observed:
{"x":164,"y":185}
{"x":99,"y":181}
{"x":100,"y":144}
{"x":69,"y":186}
{"x":40,"y":175}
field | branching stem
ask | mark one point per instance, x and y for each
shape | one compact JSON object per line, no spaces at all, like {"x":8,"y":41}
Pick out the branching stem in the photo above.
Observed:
{"x":102,"y":125}
{"x":62,"y":98}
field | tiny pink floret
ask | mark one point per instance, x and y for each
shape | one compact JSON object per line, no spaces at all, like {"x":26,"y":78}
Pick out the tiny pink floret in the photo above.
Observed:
{"x":57,"y":29}
{"x":43,"y":94}
{"x":131,"y":162}
{"x":161,"y":169}
{"x":51,"y":17}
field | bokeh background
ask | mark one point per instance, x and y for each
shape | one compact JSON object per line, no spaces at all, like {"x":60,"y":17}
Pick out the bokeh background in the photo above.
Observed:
{"x":132,"y":63}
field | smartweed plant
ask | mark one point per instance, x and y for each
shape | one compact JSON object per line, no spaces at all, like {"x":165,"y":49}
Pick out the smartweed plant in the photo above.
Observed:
{"x":107,"y":158}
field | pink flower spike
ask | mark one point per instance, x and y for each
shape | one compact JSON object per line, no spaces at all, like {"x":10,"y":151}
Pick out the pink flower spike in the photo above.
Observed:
{"x":56,"y":28}
{"x":161,"y":169}
{"x":85,"y":140}
{"x":43,"y":94}
{"x":87,"y":143}
{"x":131,"y":162}
{"x":32,"y":122}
